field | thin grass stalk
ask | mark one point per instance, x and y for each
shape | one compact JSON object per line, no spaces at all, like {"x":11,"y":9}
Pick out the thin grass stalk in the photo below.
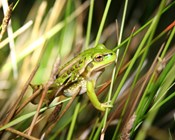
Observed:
{"x":168,"y":43}
{"x":125,"y":77}
{"x":15,"y":105}
{"x":115,"y":135}
{"x":64,"y":30}
{"x":153,"y":28}
{"x":16,"y":33}
{"x":48,"y":35}
{"x":93,"y":130}
{"x":15,"y":4}
{"x":72,"y":126}
{"x":38,"y":21}
{"x":151,"y":115}
{"x":67,"y":122}
{"x":147,"y":77}
{"x":143,"y":27}
{"x":99,"y":128}
{"x":13,"y":56}
{"x":158,"y":103}
{"x":102,"y":22}
{"x":103,"y":122}
{"x":61,"y":129}
{"x":165,"y":49}
{"x":134,"y":59}
{"x":130,"y":66}
{"x":27,"y":116}
{"x":153,"y":41}
{"x":21,"y":134}
{"x":123,"y":22}
{"x":89,"y":24}
{"x":143,"y":103}
{"x":114,"y":70}
{"x":127,"y":72}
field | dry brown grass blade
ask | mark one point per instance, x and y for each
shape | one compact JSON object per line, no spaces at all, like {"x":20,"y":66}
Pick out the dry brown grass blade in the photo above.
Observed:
{"x":122,"y":100}
{"x":45,"y":89}
{"x":133,"y":102}
{"x":28,"y":100}
{"x":6,"y":20}
{"x":38,"y":108}
{"x":40,"y":118}
{"x":14,"y":107}
{"x":52,"y":117}
{"x":135,"y":97}
{"x":16,"y":33}
{"x":60,"y":116}
{"x":38,"y":20}
{"x":21,"y":134}
{"x":125,"y":135}
{"x":57,"y":8}
{"x":129,"y":115}
{"x":155,"y":66}
{"x":148,"y":74}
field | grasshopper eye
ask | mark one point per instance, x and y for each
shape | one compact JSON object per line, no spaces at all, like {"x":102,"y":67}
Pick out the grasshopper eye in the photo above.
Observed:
{"x":98,"y":58}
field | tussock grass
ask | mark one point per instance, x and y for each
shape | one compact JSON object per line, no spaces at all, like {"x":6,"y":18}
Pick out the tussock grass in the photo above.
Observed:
{"x":139,"y":85}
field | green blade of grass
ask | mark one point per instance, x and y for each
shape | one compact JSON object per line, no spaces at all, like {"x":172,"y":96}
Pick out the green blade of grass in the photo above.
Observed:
{"x":89,"y":24}
{"x":151,"y":115}
{"x":102,"y":22}
{"x":26,"y":116}
{"x":72,"y":126}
